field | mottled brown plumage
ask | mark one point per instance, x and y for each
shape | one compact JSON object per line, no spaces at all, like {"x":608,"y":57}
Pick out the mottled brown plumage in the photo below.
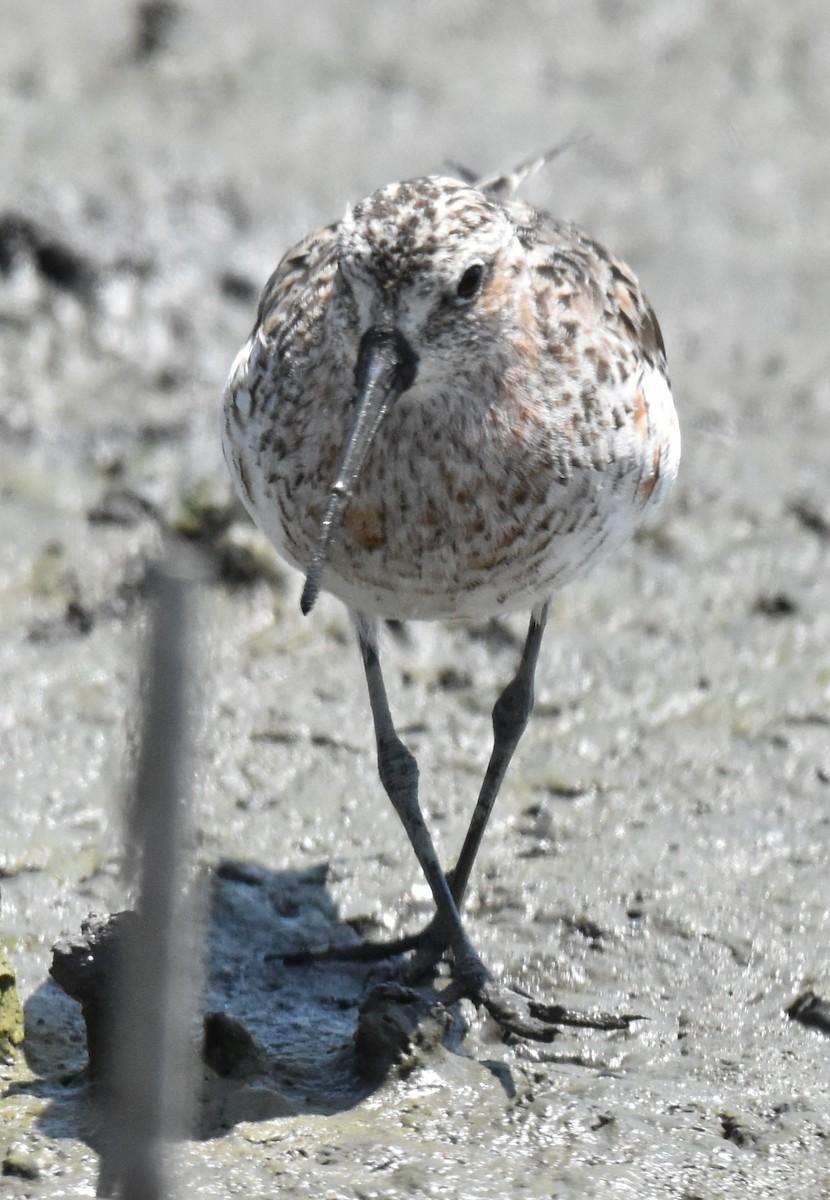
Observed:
{"x":451,"y":404}
{"x":538,"y":431}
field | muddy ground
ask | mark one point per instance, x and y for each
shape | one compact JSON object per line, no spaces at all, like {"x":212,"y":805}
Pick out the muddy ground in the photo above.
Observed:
{"x":661,"y":845}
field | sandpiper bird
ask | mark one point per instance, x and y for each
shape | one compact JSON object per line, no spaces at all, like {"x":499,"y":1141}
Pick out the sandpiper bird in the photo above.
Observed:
{"x":450,"y":405}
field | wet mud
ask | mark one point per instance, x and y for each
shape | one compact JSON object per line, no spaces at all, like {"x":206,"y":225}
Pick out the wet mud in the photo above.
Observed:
{"x":660,"y":845}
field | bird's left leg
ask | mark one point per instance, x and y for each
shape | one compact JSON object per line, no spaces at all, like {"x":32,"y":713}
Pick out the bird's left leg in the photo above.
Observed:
{"x":515,"y":1013}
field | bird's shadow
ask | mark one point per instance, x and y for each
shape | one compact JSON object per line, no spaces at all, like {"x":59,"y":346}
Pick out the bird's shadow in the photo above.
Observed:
{"x":286,"y":1039}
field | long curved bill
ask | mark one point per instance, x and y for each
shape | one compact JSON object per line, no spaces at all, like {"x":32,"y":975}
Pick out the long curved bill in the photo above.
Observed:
{"x":386,"y":367}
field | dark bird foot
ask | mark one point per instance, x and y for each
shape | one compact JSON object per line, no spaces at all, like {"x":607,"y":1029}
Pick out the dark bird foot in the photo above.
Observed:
{"x":427,"y":947}
{"x":519,"y":1015}
{"x":514,"y":1011}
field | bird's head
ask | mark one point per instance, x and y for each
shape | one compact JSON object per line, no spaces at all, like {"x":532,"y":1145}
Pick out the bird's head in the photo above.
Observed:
{"x":425,"y":270}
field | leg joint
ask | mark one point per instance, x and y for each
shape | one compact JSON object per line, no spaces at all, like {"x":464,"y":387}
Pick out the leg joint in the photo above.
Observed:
{"x":397,"y":768}
{"x":512,"y":710}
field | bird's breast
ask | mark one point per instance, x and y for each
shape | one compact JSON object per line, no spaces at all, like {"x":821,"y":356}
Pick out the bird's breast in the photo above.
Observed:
{"x":471,"y":500}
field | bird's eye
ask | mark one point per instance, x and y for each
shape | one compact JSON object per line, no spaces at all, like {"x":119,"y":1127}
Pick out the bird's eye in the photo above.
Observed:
{"x":469,"y":285}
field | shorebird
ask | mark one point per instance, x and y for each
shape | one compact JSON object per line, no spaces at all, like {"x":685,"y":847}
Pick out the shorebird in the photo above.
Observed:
{"x":451,"y":404}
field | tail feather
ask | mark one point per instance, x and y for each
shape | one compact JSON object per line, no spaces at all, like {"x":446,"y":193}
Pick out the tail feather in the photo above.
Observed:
{"x":502,"y":186}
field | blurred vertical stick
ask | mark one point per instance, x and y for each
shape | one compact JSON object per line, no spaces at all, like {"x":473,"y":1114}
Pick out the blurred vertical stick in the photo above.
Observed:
{"x":149,"y":1066}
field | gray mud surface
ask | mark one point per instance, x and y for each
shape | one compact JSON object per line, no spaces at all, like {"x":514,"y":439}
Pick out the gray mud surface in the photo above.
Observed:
{"x":661,"y":845}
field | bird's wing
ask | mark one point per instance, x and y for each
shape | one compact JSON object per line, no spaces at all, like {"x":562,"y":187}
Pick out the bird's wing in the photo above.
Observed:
{"x":304,"y":270}
{"x":589,"y":285}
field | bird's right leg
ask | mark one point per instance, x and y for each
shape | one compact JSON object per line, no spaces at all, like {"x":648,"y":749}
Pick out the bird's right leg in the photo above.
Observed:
{"x":511,"y":713}
{"x":399,"y":775}
{"x":510,"y":716}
